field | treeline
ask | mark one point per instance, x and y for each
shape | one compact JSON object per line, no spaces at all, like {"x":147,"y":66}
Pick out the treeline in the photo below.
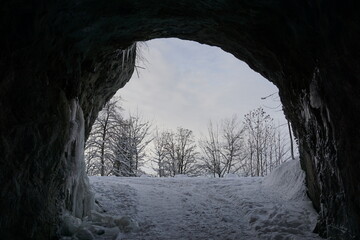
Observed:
{"x":122,"y":146}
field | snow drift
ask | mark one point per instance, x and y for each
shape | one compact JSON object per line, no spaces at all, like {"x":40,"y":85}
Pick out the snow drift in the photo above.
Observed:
{"x":287,"y":181}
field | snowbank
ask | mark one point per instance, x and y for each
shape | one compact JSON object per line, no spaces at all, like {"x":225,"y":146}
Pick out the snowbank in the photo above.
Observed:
{"x":288,"y":180}
{"x":287,"y":212}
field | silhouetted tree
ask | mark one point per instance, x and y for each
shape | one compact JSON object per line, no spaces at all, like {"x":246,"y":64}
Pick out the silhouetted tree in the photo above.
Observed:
{"x":98,"y":154}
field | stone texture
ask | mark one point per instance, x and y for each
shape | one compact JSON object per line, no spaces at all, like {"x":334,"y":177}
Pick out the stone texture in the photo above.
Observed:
{"x":55,"y":52}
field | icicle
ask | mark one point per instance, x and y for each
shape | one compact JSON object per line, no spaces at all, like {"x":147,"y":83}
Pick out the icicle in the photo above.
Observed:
{"x":123,"y":60}
{"x":127,"y":54}
{"x":132,"y":53}
{"x":78,"y":190}
{"x":315,"y":99}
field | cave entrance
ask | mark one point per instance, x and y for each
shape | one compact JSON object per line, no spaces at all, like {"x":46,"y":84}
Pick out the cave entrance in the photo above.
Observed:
{"x":183,"y":87}
{"x":57,"y":74}
{"x":184,"y":82}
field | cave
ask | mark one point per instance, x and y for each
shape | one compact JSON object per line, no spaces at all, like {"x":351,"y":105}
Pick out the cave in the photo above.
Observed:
{"x":62,"y":60}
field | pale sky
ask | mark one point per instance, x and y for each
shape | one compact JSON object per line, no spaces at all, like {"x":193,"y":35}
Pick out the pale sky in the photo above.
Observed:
{"x":186,"y":84}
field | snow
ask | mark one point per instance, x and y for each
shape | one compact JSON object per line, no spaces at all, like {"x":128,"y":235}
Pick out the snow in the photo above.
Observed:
{"x":231,"y":175}
{"x":287,"y":181}
{"x":274,"y":207}
{"x":181,"y":176}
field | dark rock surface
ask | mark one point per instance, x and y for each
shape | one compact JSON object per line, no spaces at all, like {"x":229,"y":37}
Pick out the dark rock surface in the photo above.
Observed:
{"x":57,"y":53}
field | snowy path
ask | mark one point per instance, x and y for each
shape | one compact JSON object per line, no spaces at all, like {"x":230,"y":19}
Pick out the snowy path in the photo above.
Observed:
{"x":205,"y":208}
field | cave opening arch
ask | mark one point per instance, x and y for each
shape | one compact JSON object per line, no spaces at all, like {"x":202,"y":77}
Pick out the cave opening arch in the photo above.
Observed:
{"x":63,"y":64}
{"x":186,"y":84}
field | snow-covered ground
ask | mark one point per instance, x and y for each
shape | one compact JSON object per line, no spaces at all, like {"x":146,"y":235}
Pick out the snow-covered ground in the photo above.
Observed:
{"x":274,"y":207}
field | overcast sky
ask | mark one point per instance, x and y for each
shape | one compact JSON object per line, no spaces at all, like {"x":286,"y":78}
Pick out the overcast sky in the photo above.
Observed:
{"x":186,"y":84}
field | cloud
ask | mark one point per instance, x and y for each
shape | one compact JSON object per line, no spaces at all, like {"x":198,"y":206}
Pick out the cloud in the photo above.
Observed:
{"x":186,"y":84}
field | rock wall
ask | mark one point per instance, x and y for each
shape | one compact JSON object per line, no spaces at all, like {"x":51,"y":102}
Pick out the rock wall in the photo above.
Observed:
{"x":57,"y":53}
{"x":49,"y":93}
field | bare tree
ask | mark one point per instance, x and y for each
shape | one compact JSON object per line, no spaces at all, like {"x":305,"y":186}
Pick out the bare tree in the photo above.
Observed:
{"x":275,"y":97}
{"x":211,"y":148}
{"x":175,"y":152}
{"x":116,"y":145}
{"x":130,"y":142}
{"x":233,"y":144}
{"x":265,"y":143}
{"x":159,"y":153}
{"x":122,"y":162}
{"x":186,"y":154}
{"x":223,"y":152}
{"x":258,"y":126}
{"x":91,"y":154}
{"x":98,"y":146}
{"x":281,"y":149}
